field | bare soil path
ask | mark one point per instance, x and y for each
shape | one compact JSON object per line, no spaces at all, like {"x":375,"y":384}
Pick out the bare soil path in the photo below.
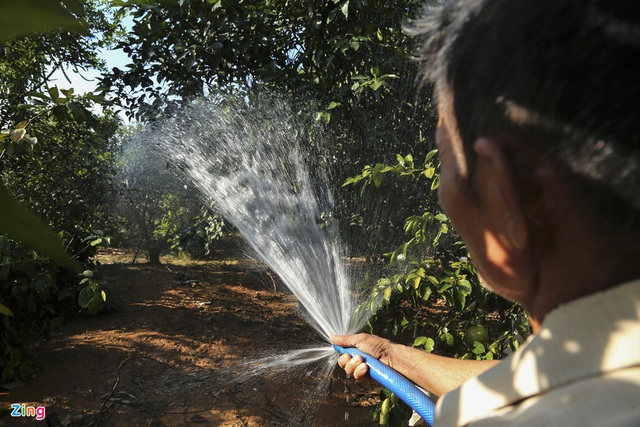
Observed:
{"x":157,"y":358}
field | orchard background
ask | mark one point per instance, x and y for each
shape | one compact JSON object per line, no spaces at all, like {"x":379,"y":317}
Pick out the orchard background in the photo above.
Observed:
{"x":73,"y":183}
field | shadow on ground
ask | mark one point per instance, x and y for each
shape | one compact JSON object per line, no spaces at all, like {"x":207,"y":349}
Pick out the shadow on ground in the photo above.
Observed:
{"x":168,"y":352}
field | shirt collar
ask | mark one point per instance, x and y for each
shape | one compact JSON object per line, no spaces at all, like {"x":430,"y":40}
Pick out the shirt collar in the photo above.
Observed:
{"x":594,"y":334}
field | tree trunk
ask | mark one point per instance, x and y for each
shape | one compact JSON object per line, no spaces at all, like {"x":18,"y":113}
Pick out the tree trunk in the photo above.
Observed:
{"x":154,"y":248}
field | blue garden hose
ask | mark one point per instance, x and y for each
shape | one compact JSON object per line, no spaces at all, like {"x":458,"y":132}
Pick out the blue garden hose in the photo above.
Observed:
{"x":396,"y":383}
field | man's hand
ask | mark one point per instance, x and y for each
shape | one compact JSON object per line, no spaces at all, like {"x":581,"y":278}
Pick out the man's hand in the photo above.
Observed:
{"x":377,"y":347}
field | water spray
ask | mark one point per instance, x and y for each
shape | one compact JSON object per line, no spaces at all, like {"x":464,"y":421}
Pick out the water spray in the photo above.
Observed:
{"x":396,"y":383}
{"x":248,"y":163}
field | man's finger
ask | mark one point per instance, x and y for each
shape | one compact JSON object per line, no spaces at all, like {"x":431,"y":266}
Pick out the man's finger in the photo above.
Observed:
{"x":343,"y":360}
{"x":361,"y":371}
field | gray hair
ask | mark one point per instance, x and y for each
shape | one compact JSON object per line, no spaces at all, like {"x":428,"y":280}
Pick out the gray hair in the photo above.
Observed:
{"x":560,"y":75}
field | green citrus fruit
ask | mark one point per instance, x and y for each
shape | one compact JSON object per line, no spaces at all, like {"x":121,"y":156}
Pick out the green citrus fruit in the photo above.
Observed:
{"x":476,"y":333}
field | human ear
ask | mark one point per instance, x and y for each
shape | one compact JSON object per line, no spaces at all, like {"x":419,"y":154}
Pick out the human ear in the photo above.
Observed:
{"x":499,"y":193}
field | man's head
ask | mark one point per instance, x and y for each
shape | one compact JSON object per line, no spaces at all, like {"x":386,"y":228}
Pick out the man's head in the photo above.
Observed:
{"x":560,"y":76}
{"x":538,"y":104}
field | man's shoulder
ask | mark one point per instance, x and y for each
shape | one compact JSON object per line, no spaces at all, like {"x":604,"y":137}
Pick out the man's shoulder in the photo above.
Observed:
{"x":609,"y":399}
{"x":585,"y":352}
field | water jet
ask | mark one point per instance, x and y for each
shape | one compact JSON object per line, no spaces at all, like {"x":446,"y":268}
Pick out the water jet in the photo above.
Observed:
{"x":249,"y":163}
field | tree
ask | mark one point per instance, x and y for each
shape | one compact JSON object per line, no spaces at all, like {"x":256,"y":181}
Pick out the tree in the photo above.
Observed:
{"x":49,"y":137}
{"x":194,"y":47}
{"x":43,"y":124}
{"x":346,"y":63}
{"x":158,"y":208}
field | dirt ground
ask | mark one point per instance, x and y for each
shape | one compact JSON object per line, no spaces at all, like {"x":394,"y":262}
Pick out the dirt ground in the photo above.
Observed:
{"x":171,"y":349}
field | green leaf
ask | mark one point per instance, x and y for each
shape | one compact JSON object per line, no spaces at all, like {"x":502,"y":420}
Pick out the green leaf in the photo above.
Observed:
{"x":427,"y":293}
{"x":25,"y":226}
{"x":54,"y":93}
{"x":429,"y":172}
{"x":324,"y":116}
{"x":20,"y":17}
{"x":80,"y":114}
{"x":433,"y":280}
{"x":378,"y":177}
{"x":96,"y":98}
{"x":430,"y":155}
{"x":75,"y":6}
{"x":39,"y":95}
{"x":404,"y":322}
{"x":445,"y":286}
{"x":461,"y":298}
{"x":416,"y":282}
{"x":419,"y":341}
{"x":345,"y":9}
{"x":478,"y":348}
{"x":429,"y":345}
{"x":85,"y":296}
{"x":440,"y":217}
{"x":464,"y":286}
{"x":67,"y":92}
{"x":435,"y":183}
{"x":349,"y":181}
{"x":384,"y":411}
{"x":385,"y":281}
{"x":448,"y":338}
{"x":387,"y":293}
{"x":5,"y":310}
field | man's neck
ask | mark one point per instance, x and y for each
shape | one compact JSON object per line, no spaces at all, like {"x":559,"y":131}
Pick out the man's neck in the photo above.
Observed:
{"x":582,"y":269}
